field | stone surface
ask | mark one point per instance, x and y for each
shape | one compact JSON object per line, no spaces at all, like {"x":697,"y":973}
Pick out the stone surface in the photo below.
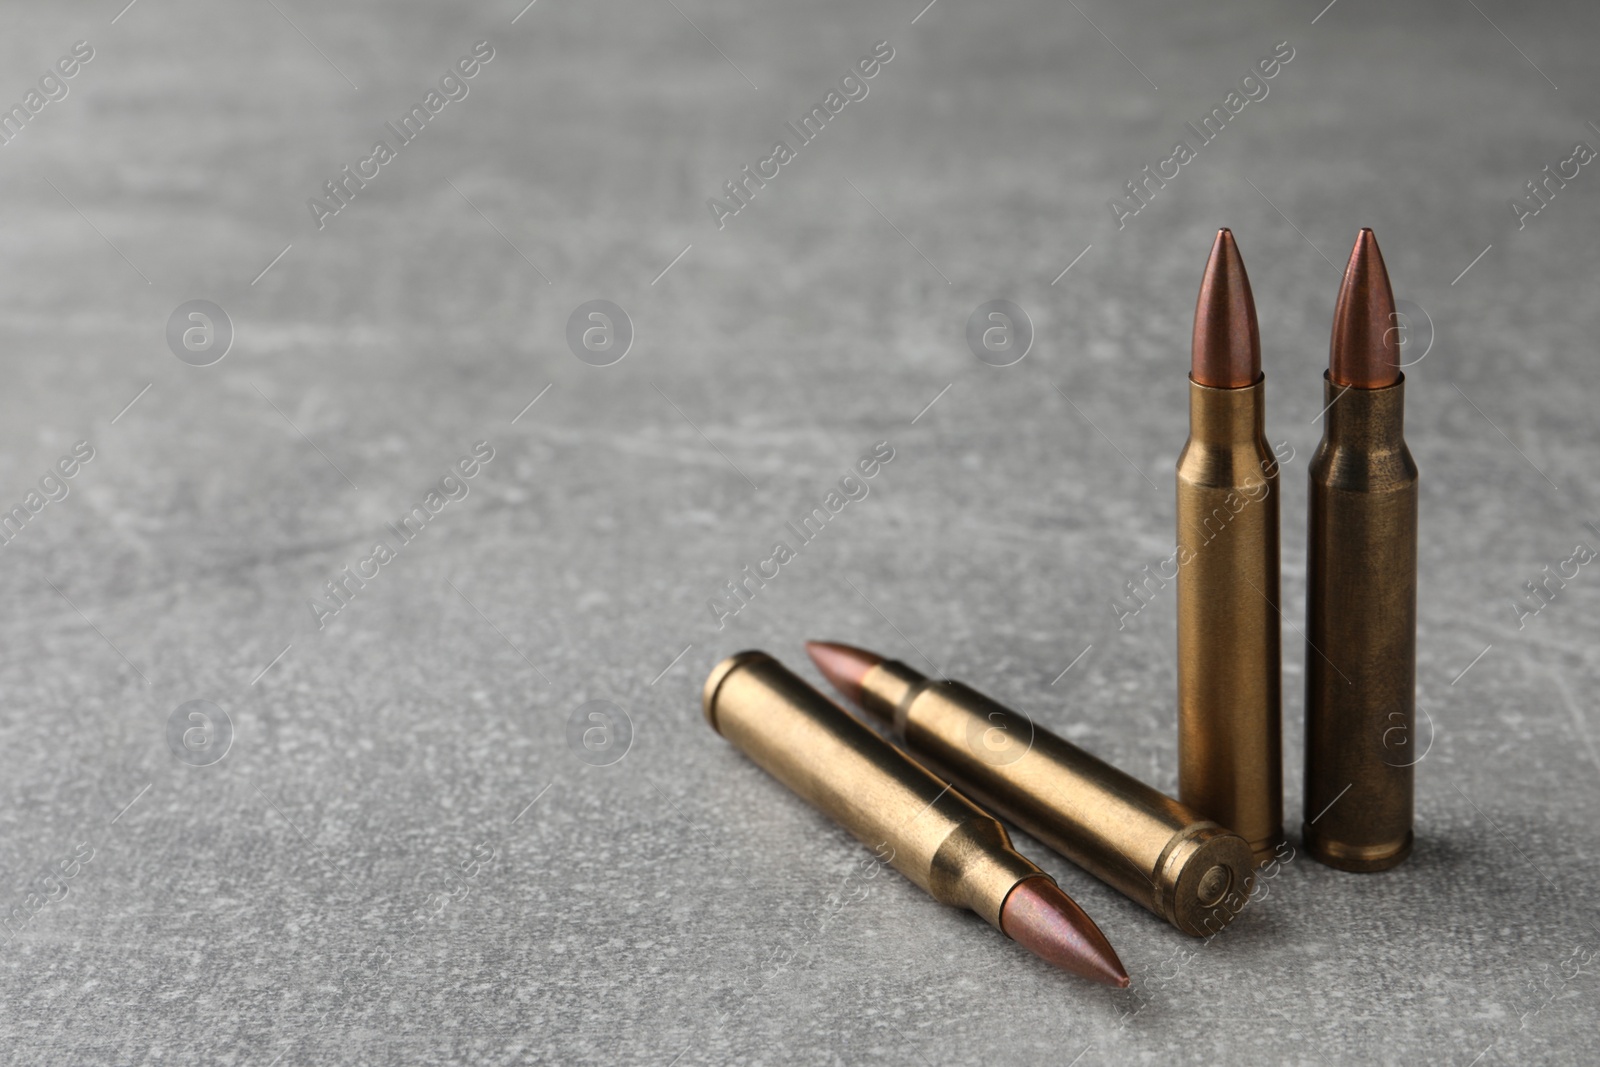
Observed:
{"x":404,"y":856}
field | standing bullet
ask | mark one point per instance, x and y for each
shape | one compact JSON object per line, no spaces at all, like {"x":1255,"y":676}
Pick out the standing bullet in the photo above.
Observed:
{"x":927,"y":831}
{"x":1230,"y":749}
{"x":1182,"y":866}
{"x":1361,"y":604}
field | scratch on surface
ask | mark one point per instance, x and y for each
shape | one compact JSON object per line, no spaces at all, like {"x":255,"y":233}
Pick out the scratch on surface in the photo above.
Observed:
{"x":1579,"y":723}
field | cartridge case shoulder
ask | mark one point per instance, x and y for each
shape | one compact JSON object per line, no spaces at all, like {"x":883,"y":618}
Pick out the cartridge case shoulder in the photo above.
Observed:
{"x":975,"y":866}
{"x":1343,"y":465}
{"x":1247,"y":467}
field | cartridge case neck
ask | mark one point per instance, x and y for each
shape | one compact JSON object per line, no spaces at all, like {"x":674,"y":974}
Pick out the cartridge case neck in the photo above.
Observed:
{"x":1371,"y":420}
{"x":1226,"y":417}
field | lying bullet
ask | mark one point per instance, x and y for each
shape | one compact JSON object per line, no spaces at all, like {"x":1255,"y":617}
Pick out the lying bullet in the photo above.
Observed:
{"x":1179,"y":864}
{"x":927,"y":831}
{"x":1361,"y":601}
{"x":1230,"y":719}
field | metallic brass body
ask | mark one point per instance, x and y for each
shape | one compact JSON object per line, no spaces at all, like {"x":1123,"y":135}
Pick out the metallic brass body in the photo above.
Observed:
{"x":1230,"y":715}
{"x":927,"y":831}
{"x":1361,"y":629}
{"x":1185,"y":868}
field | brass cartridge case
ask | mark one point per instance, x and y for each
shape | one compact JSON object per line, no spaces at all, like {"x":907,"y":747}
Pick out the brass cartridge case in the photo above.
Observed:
{"x":1361,"y":632}
{"x":1181,"y":865}
{"x":927,"y":831}
{"x":1230,"y":716}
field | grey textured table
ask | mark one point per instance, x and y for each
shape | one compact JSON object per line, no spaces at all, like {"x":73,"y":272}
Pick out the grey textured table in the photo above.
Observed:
{"x":418,"y":846}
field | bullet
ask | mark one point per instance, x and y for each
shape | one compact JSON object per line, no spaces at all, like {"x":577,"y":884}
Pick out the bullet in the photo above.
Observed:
{"x":1230,"y":716}
{"x":1361,"y":600}
{"x":1179,"y":864}
{"x":926,"y":830}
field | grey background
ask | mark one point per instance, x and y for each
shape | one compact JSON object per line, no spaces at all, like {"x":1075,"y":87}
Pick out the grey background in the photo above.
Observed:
{"x":323,"y":894}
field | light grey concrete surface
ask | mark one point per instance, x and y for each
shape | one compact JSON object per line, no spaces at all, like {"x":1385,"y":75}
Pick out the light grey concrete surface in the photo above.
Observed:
{"x":402,"y":856}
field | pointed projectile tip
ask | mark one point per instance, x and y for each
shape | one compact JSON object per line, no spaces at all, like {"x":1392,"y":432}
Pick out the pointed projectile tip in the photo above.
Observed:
{"x":1044,"y":920}
{"x":1227,"y":339}
{"x":1365,"y":351}
{"x":845,"y":666}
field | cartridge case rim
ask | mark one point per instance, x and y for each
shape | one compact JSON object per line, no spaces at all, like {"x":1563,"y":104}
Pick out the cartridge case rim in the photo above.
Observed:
{"x":719,"y":674}
{"x":1188,"y":858}
{"x":1356,"y":859}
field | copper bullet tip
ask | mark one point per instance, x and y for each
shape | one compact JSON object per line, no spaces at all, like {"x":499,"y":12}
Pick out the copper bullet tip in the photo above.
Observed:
{"x":1365,"y":353}
{"x":1044,"y":920}
{"x":1227,"y":340}
{"x":845,"y":666}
